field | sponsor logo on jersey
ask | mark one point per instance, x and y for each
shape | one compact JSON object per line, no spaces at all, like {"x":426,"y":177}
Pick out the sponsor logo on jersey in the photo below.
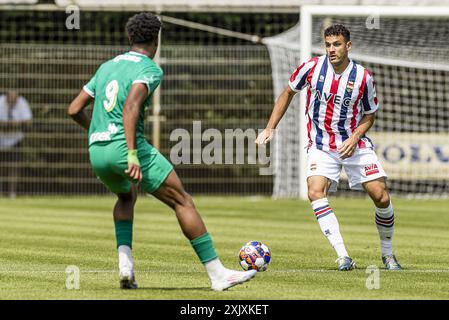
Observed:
{"x":105,"y":135}
{"x":321,"y":78}
{"x":336,"y":99}
{"x":371,"y":169}
{"x":100,"y":136}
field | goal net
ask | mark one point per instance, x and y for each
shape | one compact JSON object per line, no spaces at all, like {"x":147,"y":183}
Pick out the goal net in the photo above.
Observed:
{"x":408,"y":58}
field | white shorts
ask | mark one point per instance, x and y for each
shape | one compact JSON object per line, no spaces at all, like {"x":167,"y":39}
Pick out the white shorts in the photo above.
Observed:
{"x":361,"y":167}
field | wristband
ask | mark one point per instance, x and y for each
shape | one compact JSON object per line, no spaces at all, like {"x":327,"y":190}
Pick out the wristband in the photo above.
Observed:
{"x":132,"y":157}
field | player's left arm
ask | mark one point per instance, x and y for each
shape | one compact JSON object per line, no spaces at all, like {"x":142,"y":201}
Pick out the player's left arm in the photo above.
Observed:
{"x":370,"y":105}
{"x":131,"y":110}
{"x":76,"y":109}
{"x":348,"y":147}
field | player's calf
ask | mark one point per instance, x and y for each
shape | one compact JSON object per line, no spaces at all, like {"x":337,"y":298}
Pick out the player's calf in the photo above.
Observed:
{"x":331,"y":230}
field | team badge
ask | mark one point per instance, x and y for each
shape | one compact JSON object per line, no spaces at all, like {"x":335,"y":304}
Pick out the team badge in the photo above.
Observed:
{"x":350,"y":86}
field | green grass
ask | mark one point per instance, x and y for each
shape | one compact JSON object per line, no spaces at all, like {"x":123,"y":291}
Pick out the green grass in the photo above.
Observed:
{"x":40,"y":237}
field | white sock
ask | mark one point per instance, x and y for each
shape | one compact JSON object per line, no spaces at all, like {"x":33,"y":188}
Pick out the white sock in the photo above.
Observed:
{"x":329,"y":225}
{"x":215,"y":269}
{"x":125,"y":258}
{"x":385,"y":227}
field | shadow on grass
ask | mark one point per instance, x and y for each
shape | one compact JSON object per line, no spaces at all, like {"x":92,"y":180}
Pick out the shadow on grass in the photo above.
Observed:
{"x":171,"y":289}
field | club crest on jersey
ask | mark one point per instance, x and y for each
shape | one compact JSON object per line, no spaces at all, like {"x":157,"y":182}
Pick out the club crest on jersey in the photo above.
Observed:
{"x":371,"y":169}
{"x":350,"y":86}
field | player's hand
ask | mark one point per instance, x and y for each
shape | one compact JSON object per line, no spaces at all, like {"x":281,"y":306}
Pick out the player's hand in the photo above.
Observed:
{"x":347,"y":148}
{"x":133,"y":170}
{"x":265,"y":136}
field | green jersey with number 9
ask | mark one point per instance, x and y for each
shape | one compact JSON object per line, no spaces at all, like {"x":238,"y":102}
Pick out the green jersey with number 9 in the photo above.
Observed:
{"x":110,"y":86}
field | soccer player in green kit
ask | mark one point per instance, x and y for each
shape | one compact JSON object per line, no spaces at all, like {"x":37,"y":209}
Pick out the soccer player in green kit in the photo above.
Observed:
{"x":121,"y":157}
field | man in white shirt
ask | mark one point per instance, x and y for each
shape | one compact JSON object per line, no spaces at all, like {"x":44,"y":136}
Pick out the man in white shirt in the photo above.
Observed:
{"x":15,"y":115}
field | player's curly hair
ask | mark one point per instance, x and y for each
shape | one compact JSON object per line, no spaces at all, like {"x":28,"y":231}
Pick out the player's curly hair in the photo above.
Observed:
{"x":143,"y":28}
{"x":336,"y":30}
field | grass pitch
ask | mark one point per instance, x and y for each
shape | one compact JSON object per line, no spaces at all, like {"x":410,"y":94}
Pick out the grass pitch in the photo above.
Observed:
{"x":41,"y":237}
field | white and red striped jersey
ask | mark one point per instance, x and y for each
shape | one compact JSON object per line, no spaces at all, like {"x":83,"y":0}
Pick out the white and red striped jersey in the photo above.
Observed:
{"x":335,"y":102}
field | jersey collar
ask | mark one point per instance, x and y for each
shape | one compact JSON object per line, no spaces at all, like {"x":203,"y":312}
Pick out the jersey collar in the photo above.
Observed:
{"x":137,"y":53}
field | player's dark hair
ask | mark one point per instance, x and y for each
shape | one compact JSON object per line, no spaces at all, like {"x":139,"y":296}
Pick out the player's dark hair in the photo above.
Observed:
{"x":337,"y":30}
{"x":143,"y":28}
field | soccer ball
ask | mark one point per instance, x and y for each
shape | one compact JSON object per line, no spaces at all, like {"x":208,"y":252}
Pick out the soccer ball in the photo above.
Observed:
{"x":255,"y":256}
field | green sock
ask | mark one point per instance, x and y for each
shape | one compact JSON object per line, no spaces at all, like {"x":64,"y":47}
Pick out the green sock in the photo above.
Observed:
{"x":124,"y":232}
{"x":204,"y":248}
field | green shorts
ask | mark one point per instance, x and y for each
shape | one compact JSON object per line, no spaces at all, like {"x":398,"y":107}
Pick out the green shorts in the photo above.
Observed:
{"x":110,"y":160}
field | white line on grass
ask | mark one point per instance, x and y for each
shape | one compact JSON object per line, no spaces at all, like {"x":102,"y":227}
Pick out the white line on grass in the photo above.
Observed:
{"x":192,"y":271}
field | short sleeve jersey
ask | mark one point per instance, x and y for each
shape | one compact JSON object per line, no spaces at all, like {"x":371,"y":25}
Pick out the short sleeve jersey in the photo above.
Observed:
{"x":110,"y":86}
{"x":336,"y":103}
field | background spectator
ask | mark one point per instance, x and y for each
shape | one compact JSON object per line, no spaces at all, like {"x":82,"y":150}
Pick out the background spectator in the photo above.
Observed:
{"x":15,"y":116}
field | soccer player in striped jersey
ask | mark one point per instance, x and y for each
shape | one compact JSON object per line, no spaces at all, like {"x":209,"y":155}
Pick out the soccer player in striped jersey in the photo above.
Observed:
{"x":121,"y":157}
{"x":341,"y":108}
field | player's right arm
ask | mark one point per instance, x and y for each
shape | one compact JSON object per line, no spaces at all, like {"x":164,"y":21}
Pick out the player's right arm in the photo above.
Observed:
{"x":76,"y":109}
{"x":131,"y":110}
{"x":298,"y":81}
{"x":84,"y":98}
{"x":281,"y":105}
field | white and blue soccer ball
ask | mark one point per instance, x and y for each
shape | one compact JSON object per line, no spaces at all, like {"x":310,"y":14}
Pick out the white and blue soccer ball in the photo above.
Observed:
{"x":255,"y":256}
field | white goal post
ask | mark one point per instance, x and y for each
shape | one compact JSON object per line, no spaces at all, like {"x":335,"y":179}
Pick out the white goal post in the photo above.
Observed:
{"x":300,"y":41}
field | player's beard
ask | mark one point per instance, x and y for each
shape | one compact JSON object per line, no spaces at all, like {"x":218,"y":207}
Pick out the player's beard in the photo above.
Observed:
{"x":338,"y":60}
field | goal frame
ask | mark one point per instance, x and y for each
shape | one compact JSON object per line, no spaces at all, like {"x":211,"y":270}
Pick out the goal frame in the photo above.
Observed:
{"x":307,"y":12}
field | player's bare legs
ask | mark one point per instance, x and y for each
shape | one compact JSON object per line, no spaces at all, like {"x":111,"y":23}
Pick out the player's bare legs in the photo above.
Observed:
{"x":172,"y":193}
{"x":124,"y":207}
{"x":377,"y":190}
{"x":318,"y":187}
{"x":123,"y":219}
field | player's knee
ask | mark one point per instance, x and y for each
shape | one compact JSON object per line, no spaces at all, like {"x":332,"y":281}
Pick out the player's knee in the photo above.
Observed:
{"x":129,"y":197}
{"x":316,"y":194}
{"x":186,"y":201}
{"x":179,"y":200}
{"x":381,"y":199}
